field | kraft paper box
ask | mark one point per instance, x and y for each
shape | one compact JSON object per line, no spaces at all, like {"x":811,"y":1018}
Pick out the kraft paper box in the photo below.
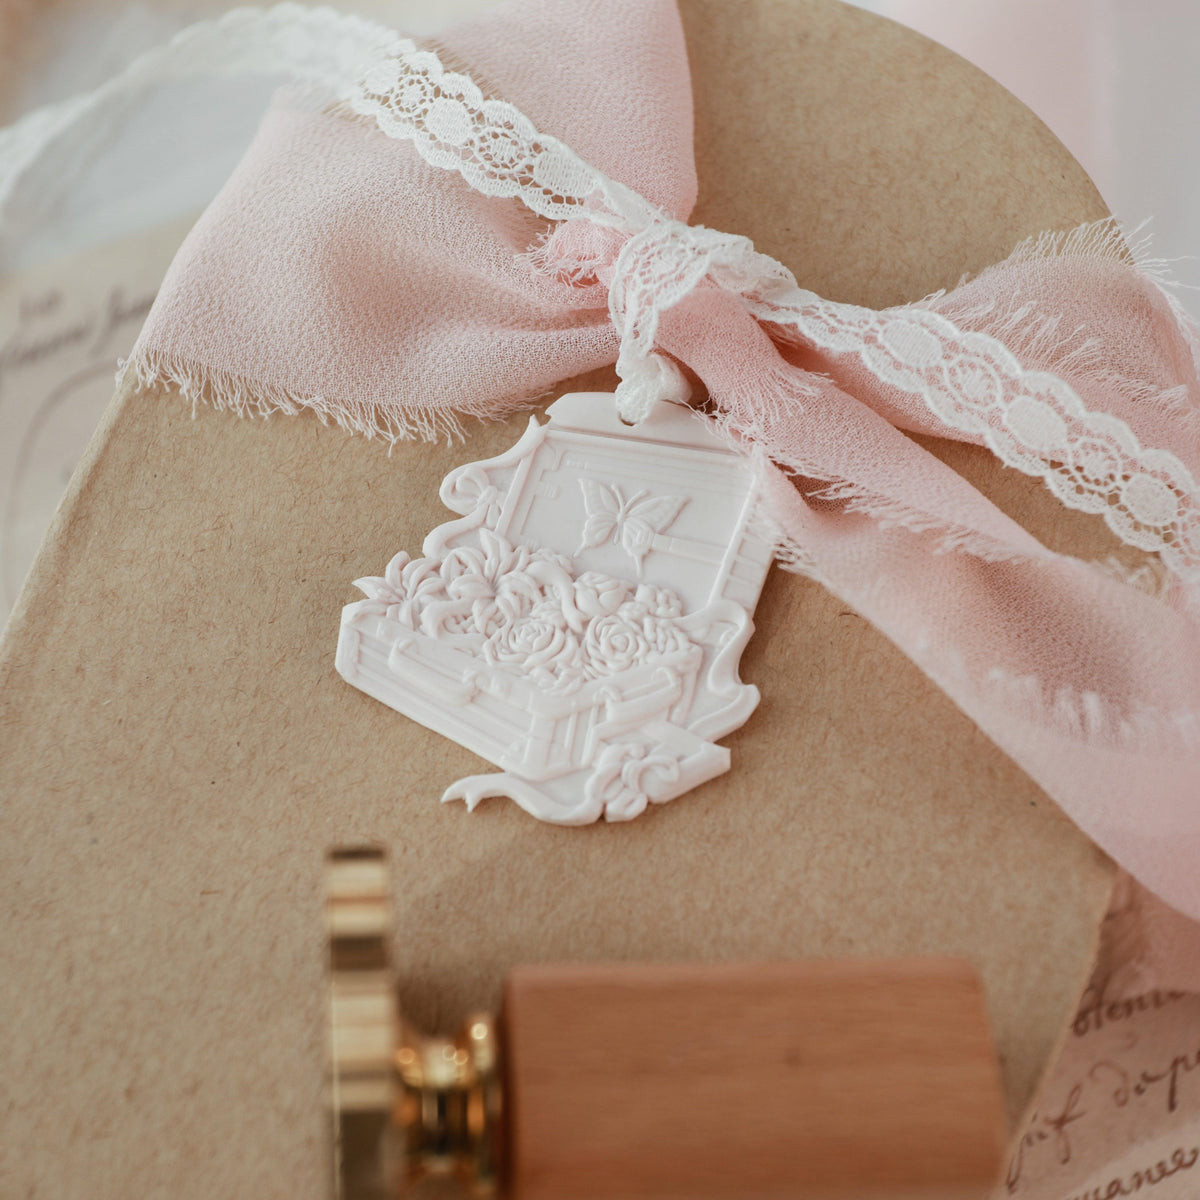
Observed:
{"x":178,"y":752}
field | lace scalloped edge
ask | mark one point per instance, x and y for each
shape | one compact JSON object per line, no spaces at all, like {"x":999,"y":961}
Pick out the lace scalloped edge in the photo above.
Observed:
{"x":1052,"y":408}
{"x":1032,"y":334}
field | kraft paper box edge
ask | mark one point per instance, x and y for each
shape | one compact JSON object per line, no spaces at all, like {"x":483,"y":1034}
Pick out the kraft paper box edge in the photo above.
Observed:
{"x":179,"y":753}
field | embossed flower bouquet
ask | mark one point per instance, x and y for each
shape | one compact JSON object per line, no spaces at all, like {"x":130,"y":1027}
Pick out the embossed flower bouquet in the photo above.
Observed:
{"x":521,"y":634}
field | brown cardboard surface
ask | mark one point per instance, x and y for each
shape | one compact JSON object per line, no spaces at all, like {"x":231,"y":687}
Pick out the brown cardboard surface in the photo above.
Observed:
{"x":177,"y":752}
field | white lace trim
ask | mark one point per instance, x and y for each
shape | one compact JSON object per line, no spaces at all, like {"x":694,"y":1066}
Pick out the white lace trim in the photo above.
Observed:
{"x":490,"y":143}
{"x":1031,"y":420}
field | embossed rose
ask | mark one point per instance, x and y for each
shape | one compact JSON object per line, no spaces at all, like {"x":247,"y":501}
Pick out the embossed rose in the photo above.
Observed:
{"x":479,"y":616}
{"x":482,"y":589}
{"x":598,"y":595}
{"x":467,"y":564}
{"x":659,"y":601}
{"x":612,"y":644}
{"x":539,"y":641}
{"x":630,"y":775}
{"x":664,"y":636}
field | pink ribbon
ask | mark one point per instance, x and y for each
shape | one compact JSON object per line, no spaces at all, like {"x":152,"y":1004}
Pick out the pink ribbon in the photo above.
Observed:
{"x":340,"y":272}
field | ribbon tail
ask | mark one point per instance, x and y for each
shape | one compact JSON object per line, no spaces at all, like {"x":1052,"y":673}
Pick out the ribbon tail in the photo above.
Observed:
{"x":1118,"y":753}
{"x":1090,"y":684}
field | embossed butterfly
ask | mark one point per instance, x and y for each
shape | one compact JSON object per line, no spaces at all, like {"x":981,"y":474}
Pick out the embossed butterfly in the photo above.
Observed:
{"x":632,"y":524}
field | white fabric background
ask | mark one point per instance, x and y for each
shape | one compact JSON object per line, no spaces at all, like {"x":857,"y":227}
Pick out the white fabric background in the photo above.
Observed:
{"x":1116,"y":80}
{"x":176,"y":153}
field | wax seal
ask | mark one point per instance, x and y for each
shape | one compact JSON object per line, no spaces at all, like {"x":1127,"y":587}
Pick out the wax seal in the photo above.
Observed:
{"x":581,"y":624}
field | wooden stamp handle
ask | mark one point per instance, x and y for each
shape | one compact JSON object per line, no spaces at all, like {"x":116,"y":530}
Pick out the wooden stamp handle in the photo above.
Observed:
{"x":851,"y":1079}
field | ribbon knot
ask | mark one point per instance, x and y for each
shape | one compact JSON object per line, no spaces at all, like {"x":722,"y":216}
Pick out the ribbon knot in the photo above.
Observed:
{"x":648,"y":273}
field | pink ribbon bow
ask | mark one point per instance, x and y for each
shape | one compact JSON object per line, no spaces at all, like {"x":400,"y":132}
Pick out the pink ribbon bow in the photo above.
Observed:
{"x":343,"y":271}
